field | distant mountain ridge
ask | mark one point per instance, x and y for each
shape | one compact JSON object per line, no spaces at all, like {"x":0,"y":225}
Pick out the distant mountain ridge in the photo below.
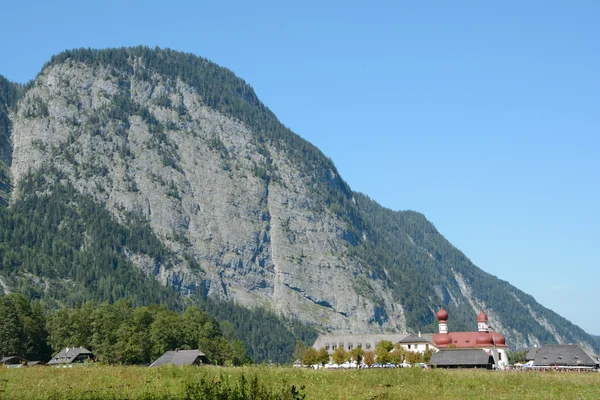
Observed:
{"x":213,"y":195}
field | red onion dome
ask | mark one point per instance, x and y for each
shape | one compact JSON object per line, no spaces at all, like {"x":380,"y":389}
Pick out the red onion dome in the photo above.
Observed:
{"x":442,"y":339}
{"x":484,"y":339}
{"x":498,"y":339}
{"x":482,"y":317}
{"x":442,"y":315}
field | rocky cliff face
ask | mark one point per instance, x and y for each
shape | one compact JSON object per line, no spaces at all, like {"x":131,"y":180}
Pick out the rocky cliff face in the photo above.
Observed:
{"x":246,"y":220}
{"x":199,"y":178}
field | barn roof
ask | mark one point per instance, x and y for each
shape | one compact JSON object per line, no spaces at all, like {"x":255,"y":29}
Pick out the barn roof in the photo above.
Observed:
{"x":564,"y":355}
{"x":180,"y":357}
{"x":9,"y":359}
{"x":68,"y":355}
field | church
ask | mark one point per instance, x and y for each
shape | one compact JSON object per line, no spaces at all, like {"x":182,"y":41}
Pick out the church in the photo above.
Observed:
{"x":452,"y":345}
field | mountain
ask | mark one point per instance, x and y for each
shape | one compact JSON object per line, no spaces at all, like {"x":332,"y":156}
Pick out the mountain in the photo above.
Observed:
{"x":156,"y":175}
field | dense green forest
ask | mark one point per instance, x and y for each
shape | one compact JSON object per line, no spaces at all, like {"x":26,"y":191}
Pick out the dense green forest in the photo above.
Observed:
{"x":64,"y":249}
{"x":116,"y":333}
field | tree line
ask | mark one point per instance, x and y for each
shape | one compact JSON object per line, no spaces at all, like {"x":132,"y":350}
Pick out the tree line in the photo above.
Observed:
{"x":116,"y":333}
{"x":385,"y":353}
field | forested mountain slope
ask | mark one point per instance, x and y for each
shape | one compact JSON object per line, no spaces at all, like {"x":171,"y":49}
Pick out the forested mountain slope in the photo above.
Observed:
{"x":9,"y":94}
{"x":166,"y":169}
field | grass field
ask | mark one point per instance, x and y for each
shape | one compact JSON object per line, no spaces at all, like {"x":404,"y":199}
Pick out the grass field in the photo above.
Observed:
{"x":103,"y":382}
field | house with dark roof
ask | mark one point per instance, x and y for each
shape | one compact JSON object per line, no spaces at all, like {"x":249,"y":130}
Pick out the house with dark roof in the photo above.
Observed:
{"x":565,"y":356}
{"x":13,"y":362}
{"x":462,"y":358}
{"x":72,"y":355}
{"x":418,"y":343}
{"x":181,"y":357}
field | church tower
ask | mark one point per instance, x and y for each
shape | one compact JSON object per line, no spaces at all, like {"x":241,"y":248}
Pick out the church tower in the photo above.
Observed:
{"x":482,"y":322}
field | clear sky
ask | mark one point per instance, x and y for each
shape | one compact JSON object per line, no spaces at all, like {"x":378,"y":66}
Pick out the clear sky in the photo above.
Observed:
{"x":484,"y":116}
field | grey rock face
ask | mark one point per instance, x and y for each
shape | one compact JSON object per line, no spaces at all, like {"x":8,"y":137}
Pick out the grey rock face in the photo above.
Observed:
{"x":196,"y":177}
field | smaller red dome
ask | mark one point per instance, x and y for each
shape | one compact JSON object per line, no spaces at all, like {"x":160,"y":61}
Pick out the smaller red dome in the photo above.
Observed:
{"x":484,"y":339}
{"x":442,"y":339}
{"x":442,"y":315}
{"x":498,"y":339}
{"x":482,"y":317}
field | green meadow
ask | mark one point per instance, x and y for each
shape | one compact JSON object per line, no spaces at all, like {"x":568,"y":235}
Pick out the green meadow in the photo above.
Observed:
{"x":115,"y":382}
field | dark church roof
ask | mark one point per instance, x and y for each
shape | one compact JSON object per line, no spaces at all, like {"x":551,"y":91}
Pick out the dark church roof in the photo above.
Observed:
{"x":461,"y":357}
{"x":564,"y":355}
{"x":181,"y":357}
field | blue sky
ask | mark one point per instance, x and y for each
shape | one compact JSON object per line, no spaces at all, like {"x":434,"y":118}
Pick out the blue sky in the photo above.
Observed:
{"x":484,"y":116}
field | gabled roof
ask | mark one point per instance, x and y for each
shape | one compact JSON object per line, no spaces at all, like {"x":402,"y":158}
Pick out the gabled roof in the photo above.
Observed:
{"x":563,"y":355}
{"x":412,"y":338}
{"x":68,"y":355}
{"x":12,"y":360}
{"x":181,"y":357}
{"x":531,"y":351}
{"x":35,"y":363}
{"x":461,"y":357}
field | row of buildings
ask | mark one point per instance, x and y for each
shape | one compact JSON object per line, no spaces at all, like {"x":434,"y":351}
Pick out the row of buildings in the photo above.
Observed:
{"x":78,"y":355}
{"x":482,"y":348}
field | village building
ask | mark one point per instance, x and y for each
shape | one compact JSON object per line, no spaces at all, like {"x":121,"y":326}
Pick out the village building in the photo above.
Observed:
{"x":181,"y":357}
{"x":413,"y":342}
{"x":13,"y":362}
{"x":71,"y":356}
{"x":484,"y":339}
{"x":565,"y":356}
{"x":418,"y":343}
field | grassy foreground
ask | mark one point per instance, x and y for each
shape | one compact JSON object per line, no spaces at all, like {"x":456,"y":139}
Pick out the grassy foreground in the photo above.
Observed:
{"x":103,"y":382}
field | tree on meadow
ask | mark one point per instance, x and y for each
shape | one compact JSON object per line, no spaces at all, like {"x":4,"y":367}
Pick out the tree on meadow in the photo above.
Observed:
{"x":310,"y":357}
{"x":412,"y":357}
{"x":382,"y":351}
{"x":369,"y":358}
{"x":397,"y":354}
{"x":357,"y":354}
{"x":339,"y":356}
{"x":323,"y":356}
